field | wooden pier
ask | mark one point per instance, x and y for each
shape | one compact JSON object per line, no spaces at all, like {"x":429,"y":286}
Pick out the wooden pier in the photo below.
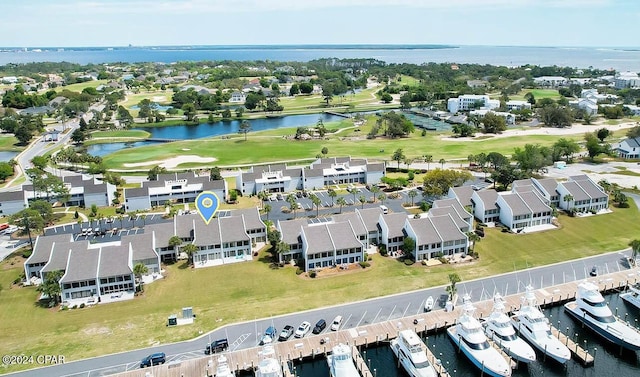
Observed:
{"x":344,"y":115}
{"x":382,"y":332}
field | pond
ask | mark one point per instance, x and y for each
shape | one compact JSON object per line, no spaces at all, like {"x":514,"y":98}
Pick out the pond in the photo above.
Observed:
{"x":6,"y":156}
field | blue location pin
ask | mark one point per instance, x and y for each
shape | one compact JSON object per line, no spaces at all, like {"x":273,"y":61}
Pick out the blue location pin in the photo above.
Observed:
{"x":207,"y":204}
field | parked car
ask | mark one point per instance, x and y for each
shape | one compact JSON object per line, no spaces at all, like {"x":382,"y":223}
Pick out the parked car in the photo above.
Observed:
{"x":286,"y":333}
{"x":217,"y":346}
{"x":594,"y":271}
{"x":337,"y":322}
{"x":303,"y":329}
{"x":320,"y":325}
{"x":153,"y":359}
{"x":269,"y":335}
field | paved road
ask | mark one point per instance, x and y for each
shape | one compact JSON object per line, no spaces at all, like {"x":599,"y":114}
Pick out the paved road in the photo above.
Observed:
{"x":246,"y":335}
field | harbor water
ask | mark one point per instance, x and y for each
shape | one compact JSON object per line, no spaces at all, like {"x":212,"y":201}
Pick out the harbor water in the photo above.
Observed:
{"x":609,"y":361}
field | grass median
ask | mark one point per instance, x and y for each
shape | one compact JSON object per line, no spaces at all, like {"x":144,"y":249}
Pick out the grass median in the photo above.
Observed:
{"x":233,"y":293}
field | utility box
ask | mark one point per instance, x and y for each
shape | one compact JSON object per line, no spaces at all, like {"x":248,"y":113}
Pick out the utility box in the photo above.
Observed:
{"x":172,"y":320}
{"x":187,"y":312}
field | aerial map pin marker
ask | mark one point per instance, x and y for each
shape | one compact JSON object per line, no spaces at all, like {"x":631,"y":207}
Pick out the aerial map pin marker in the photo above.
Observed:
{"x":207,"y":204}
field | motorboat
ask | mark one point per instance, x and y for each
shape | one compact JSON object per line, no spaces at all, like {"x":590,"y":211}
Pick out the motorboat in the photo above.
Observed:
{"x":468,"y":336}
{"x":269,"y":366}
{"x":498,"y":328}
{"x":591,"y":309}
{"x":341,"y":362}
{"x":632,"y":295}
{"x":533,"y":326}
{"x":428,"y":305}
{"x":411,"y":353}
{"x":222,"y":368}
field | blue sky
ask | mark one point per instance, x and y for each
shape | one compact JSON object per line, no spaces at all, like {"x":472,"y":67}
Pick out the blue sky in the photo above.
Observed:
{"x":607,"y":23}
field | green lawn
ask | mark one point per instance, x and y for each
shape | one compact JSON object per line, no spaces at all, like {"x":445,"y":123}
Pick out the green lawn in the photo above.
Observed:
{"x":537,"y":94}
{"x":79,"y":86}
{"x":139,"y":134}
{"x":108,"y":328}
{"x":8,"y":144}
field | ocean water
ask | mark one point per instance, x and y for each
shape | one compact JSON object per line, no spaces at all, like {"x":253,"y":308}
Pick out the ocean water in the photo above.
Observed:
{"x":581,"y":57}
{"x":608,"y":359}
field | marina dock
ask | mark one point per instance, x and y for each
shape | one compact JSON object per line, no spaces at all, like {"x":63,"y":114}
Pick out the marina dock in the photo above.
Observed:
{"x":382,"y":332}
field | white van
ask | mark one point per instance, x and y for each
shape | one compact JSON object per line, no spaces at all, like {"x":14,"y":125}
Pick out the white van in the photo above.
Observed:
{"x":384,"y":209}
{"x":337,"y":322}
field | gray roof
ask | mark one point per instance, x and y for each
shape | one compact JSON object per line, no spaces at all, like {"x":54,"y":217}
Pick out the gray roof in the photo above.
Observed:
{"x":163,"y":232}
{"x":141,"y":245}
{"x":12,"y":196}
{"x":353,"y":219}
{"x":204,"y":234}
{"x":315,"y":172}
{"x":581,"y":177}
{"x":575,"y":190}
{"x":455,"y":204}
{"x":176,"y":176}
{"x":425,"y":231}
{"x":446,"y":228}
{"x":395,"y":222}
{"x":114,"y":261}
{"x":522,"y":188}
{"x":217,"y":184}
{"x":376,"y":166}
{"x":251,"y":216}
{"x":460,"y":222}
{"x":59,"y":257}
{"x":489,"y":198}
{"x":463,"y":193}
{"x":517,"y":204}
{"x":549,"y":185}
{"x":43,"y":246}
{"x":290,"y":230}
{"x":370,"y":217}
{"x":534,"y":202}
{"x":73,"y":180}
{"x":343,"y":236}
{"x":232,"y":229}
{"x":95,"y":189}
{"x":83,"y":265}
{"x":184,"y":225}
{"x":318,"y":238}
{"x":592,"y":189}
{"x":136,"y":192}
{"x":522,"y":182}
{"x":633,"y":143}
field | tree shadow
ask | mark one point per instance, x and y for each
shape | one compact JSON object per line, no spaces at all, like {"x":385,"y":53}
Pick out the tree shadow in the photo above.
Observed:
{"x":184,"y":265}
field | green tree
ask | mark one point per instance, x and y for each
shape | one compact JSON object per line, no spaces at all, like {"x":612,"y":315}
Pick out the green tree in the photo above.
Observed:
{"x":214,"y":174}
{"x":51,"y":285}
{"x":568,"y":198}
{"x":293,"y":205}
{"x":497,"y":160}
{"x":138,"y":270}
{"x":408,"y":247}
{"x":332,"y":194}
{"x":144,"y":108}
{"x":281,"y":248}
{"x":398,"y":156}
{"x":473,"y":238}
{"x":412,"y":194}
{"x":316,"y":202}
{"x":245,"y":128}
{"x":602,"y":134}
{"x":6,"y":170}
{"x":566,"y":148}
{"x":493,"y":124}
{"x":23,"y":134}
{"x":442,"y":161}
{"x":44,"y":208}
{"x":555,"y":116}
{"x":428,"y":159}
{"x":463,"y":130}
{"x":325,"y":151}
{"x":386,"y":98}
{"x":532,"y":158}
{"x":341,"y":202}
{"x":153,"y":173}
{"x":190,"y":249}
{"x":362,"y":199}
{"x":266,"y":209}
{"x":594,"y":148}
{"x":40,"y":162}
{"x":437,"y":181}
{"x":633,"y":132}
{"x":451,"y":289}
{"x":635,"y":250}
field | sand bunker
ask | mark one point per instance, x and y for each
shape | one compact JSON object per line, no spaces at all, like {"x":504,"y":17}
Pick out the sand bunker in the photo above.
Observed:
{"x":171,"y":163}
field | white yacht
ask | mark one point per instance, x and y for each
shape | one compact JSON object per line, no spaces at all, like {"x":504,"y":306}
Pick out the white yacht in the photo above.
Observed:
{"x":532,"y":325}
{"x":632,"y":295}
{"x":341,"y":363}
{"x":269,"y":366}
{"x":411,"y":353}
{"x":222,"y":368}
{"x":428,"y":305}
{"x":468,"y":336}
{"x":591,"y":309}
{"x":498,"y":328}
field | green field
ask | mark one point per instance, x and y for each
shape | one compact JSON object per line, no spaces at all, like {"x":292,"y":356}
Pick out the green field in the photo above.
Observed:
{"x":8,"y":144}
{"x":79,"y":86}
{"x":130,"y":134}
{"x":537,"y":94}
{"x":115,"y":327}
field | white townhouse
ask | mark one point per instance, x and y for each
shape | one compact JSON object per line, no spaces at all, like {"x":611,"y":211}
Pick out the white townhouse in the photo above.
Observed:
{"x":588,"y":105}
{"x":392,"y":231}
{"x":467,"y":102}
{"x":545,"y":187}
{"x":484,"y":206}
{"x":626,"y":80}
{"x":224,"y":240}
{"x":435,"y":236}
{"x":508,"y":117}
{"x":463,"y":194}
{"x":453,"y":206}
{"x":12,"y":202}
{"x":370,"y":218}
{"x":290,"y":231}
{"x":593,"y":95}
{"x":330,"y":244}
{"x":551,"y":81}
{"x":237,"y":97}
{"x":581,"y":194}
{"x":515,"y":105}
{"x":628,"y":148}
{"x":523,"y":209}
{"x":172,"y":188}
{"x":321,"y":173}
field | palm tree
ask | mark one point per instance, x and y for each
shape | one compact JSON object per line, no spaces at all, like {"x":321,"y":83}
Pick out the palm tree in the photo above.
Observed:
{"x":332,"y":194}
{"x":267,"y":208}
{"x":473,"y":238}
{"x":442,"y":161}
{"x":316,"y":202}
{"x":174,"y":242}
{"x":144,"y":219}
{"x":382,"y":197}
{"x":121,"y":218}
{"x":341,"y":202}
{"x":245,"y":127}
{"x":291,"y":199}
{"x":362,"y":199}
{"x":635,"y":250}
{"x":51,"y":285}
{"x":568,"y":198}
{"x":428,"y":159}
{"x":190,"y":249}
{"x":262,"y":195}
{"x":138,"y":270}
{"x":412,"y":194}
{"x":375,"y":190}
{"x":451,"y":289}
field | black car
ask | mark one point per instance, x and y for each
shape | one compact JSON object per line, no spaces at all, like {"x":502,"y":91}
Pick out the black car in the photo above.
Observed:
{"x":594,"y":271}
{"x":286,"y":333}
{"x":317,"y":329}
{"x":217,"y":346}
{"x":153,"y":359}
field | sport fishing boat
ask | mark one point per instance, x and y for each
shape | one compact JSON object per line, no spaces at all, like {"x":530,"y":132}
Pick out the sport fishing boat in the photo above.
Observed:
{"x":591,"y":309}
{"x":533,"y":326}
{"x":411,"y":353}
{"x":468,"y":336}
{"x":269,"y":365}
{"x":498,"y":328}
{"x":341,"y":363}
{"x":222,"y":368}
{"x":632,"y":295}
